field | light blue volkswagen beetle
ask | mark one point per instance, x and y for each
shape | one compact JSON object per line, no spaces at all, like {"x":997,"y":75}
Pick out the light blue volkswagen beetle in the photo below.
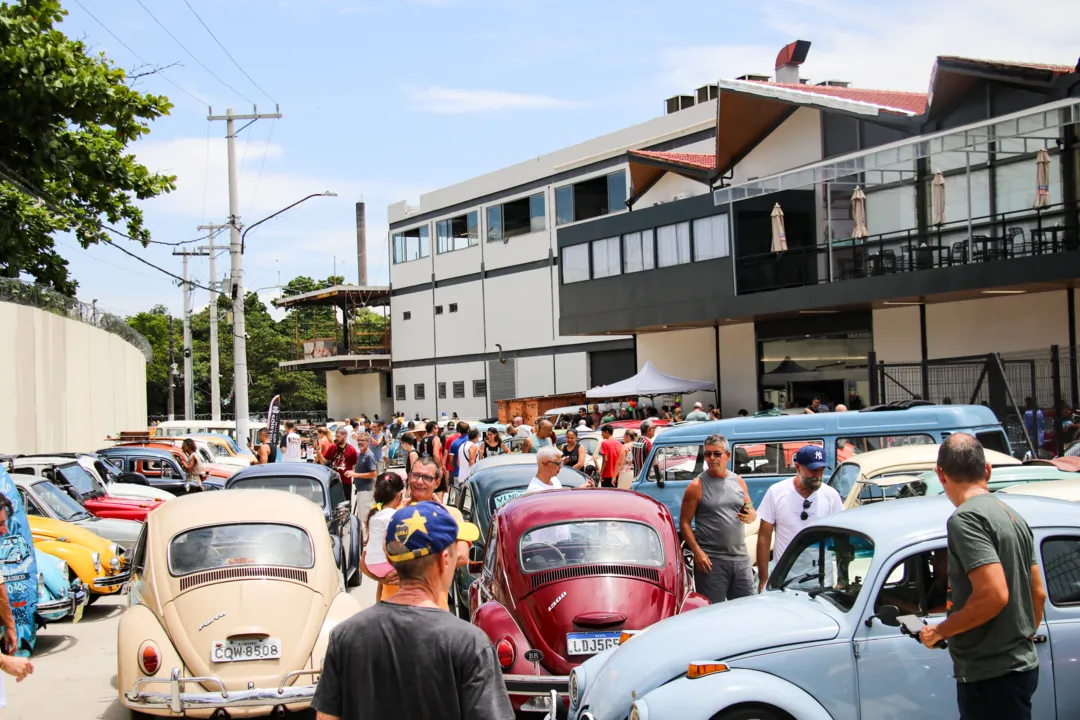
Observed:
{"x":58,"y":596}
{"x":822,"y":643}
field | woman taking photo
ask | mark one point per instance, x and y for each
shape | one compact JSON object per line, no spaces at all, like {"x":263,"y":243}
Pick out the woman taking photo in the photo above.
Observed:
{"x":191,"y":463}
{"x":493,"y":444}
{"x":572,"y":454}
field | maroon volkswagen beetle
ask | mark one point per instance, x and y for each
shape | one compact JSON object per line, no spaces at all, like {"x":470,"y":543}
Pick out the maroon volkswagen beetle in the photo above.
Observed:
{"x":566,"y":572}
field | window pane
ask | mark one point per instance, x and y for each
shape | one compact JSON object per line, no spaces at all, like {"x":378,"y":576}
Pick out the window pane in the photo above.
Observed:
{"x":673,"y":245}
{"x":591,"y":198}
{"x":399,"y":392}
{"x":494,"y":223}
{"x":575,"y":262}
{"x":442,"y":391}
{"x":638,"y":251}
{"x":587,"y":542}
{"x":606,"y":260}
{"x":1061,"y":560}
{"x":537,"y":217}
{"x":891,"y":210}
{"x":564,"y":205}
{"x":616,"y":189}
{"x":459,"y":388}
{"x":1016,"y":185}
{"x":479,"y":388}
{"x":516,"y":220}
{"x":442,"y":235}
{"x":425,"y":242}
{"x":711,"y":238}
{"x":774,"y":458}
{"x":472,"y":223}
{"x":418,"y":391}
{"x":217,"y":546}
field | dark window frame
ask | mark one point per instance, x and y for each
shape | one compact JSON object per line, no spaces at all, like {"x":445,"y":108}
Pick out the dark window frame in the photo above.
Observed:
{"x":442,"y":390}
{"x":459,"y":389}
{"x":399,"y":392}
{"x":438,"y":309}
{"x":406,"y":315}
{"x":453,"y":307}
{"x":449,"y":231}
{"x":479,"y":388}
{"x":578,"y":194}
{"x":419,"y":393}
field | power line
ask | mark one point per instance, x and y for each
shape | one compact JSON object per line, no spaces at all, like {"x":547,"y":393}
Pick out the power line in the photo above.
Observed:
{"x":140,"y":57}
{"x":184,"y":48}
{"x":266,"y":151}
{"x":227,"y":52}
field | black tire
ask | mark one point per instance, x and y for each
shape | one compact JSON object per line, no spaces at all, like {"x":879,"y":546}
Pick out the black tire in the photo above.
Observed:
{"x":356,"y":578}
{"x":755,"y":712}
{"x":94,"y":597}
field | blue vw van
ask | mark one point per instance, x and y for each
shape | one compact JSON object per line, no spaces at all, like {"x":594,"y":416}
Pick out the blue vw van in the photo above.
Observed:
{"x":762,"y":449}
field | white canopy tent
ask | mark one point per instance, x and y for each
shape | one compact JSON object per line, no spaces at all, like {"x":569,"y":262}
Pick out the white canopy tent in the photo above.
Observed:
{"x":649,"y":382}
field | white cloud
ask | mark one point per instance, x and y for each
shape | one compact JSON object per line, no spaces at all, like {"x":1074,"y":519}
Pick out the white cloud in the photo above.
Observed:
{"x":452,"y":101}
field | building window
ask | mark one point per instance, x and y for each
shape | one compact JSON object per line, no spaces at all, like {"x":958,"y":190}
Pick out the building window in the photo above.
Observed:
{"x":711,"y":238}
{"x":453,"y":307}
{"x":591,"y":198}
{"x":418,"y":391}
{"x":479,"y":388}
{"x":575,"y":263}
{"x":459,"y":388}
{"x":639,"y":251}
{"x":442,"y":391}
{"x":458,"y":233}
{"x":606,"y":260}
{"x":399,"y":392}
{"x":407,"y":315}
{"x":411,"y":244}
{"x":673,"y":245}
{"x":517,"y":217}
{"x":438,"y":309}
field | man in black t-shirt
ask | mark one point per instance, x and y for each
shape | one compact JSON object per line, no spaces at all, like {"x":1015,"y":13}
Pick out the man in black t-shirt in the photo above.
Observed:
{"x":375,"y":657}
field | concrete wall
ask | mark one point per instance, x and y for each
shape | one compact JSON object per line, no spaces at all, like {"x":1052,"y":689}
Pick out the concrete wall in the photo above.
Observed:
{"x":738,"y":369}
{"x":897,"y":337}
{"x":470,"y":406}
{"x":997,"y":324}
{"x":65,"y":385}
{"x":669,"y":187}
{"x":571,"y":373}
{"x":535,"y":376}
{"x":409,"y":377}
{"x":351,"y":395}
{"x":793,"y":144}
{"x":688,"y":354}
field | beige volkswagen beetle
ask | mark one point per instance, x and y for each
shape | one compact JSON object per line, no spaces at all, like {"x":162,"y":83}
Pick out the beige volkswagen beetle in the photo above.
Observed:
{"x":232,"y":599}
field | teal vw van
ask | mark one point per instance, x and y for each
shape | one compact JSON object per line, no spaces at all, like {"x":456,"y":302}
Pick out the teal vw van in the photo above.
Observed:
{"x":763,"y":448}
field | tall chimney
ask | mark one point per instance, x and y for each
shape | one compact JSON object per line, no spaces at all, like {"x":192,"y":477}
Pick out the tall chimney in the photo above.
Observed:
{"x":788,"y":61}
{"x":361,"y":243}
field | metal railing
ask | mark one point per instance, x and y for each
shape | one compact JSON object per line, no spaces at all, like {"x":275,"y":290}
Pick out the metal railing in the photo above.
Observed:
{"x":20,"y":293}
{"x":314,"y":417}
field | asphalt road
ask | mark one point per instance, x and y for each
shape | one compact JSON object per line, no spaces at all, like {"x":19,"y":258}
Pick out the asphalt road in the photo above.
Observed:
{"x":75,"y":667}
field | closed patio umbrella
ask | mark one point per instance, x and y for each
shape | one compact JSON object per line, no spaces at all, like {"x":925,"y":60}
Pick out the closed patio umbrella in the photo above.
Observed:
{"x":1042,"y":179}
{"x":779,"y":237}
{"x":858,"y":213}
{"x":938,"y":198}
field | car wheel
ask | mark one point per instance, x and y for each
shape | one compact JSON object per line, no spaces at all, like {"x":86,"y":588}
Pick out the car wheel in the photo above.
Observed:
{"x":356,"y":578}
{"x":753,"y":712}
{"x":94,"y":597}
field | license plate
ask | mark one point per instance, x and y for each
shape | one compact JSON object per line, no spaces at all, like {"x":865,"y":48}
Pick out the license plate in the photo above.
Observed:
{"x":78,"y":613}
{"x":590,"y":643}
{"x":240,"y":650}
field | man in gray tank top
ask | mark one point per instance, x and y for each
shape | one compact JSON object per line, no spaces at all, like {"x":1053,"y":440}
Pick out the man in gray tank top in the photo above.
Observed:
{"x":718,"y":503}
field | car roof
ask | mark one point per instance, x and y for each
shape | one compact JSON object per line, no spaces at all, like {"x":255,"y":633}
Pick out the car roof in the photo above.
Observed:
{"x":234,"y":506}
{"x":136,"y":450}
{"x":504,"y":460}
{"x":314,"y":471}
{"x":1068,"y":489}
{"x":36,"y":460}
{"x":495,"y":479}
{"x":528,"y":511}
{"x":877,"y":461}
{"x":913,"y":419}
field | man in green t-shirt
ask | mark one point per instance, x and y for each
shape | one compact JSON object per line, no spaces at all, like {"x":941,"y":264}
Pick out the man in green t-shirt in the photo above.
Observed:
{"x":997,"y":593}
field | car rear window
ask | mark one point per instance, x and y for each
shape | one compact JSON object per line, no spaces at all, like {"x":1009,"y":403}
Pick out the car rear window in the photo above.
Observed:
{"x":303,"y":486}
{"x":219,"y":546}
{"x":768,"y":458}
{"x":504,"y":496}
{"x":590,"y":542}
{"x":849,"y":446}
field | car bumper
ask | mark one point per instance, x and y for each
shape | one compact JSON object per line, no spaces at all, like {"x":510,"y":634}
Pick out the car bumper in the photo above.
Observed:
{"x":65,"y":606}
{"x":536,"y":693}
{"x":177,"y":699}
{"x":111,"y":581}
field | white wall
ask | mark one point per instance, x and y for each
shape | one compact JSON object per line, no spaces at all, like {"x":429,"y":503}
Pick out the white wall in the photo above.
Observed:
{"x":65,"y":385}
{"x":352,"y":395}
{"x":469,"y":406}
{"x":738,"y":369}
{"x":409,"y":377}
{"x":897,"y":336}
{"x":535,"y":376}
{"x":795,"y":143}
{"x":518,"y":310}
{"x":414,"y":272}
{"x":571,"y":373}
{"x":997,"y":324}
{"x":457,"y":263}
{"x":669,"y":186}
{"x":688,"y":354}
{"x":414,"y":338}
{"x":461,"y":332}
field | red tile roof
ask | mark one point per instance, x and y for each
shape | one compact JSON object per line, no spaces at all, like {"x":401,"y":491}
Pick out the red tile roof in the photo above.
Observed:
{"x":912,"y":102}
{"x":697,"y":161}
{"x":1056,"y":69}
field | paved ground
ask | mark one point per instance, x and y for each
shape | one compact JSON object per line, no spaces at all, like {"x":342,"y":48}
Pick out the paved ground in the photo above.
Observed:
{"x":75,"y":667}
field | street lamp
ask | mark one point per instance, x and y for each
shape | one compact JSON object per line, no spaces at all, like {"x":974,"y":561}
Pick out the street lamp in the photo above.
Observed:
{"x":240,"y":379}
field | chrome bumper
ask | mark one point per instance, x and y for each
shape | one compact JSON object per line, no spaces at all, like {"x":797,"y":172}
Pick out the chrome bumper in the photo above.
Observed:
{"x":536,"y":684}
{"x":68,"y":605}
{"x":112,"y":580}
{"x":177,"y":700}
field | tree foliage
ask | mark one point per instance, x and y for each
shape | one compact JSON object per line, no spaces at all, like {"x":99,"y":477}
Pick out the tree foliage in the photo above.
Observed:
{"x":66,"y":119}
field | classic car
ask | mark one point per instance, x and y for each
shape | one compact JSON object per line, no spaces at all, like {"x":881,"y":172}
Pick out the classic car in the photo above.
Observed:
{"x":864,"y":476}
{"x":565,"y":574}
{"x":58,"y":596}
{"x":1066,"y":489}
{"x":44,"y":499}
{"x":99,"y":564}
{"x":160,"y":467}
{"x":210,"y":464}
{"x":492,"y":483}
{"x":69,"y":475}
{"x":322,"y":486}
{"x":825,"y":644}
{"x":224,"y":447}
{"x":120,"y":484}
{"x":233,"y":597}
{"x":182,"y":428}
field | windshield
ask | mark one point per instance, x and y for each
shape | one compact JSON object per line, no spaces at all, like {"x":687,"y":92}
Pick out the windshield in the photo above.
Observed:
{"x":826,"y":563}
{"x":82,"y":480}
{"x":304,"y":487}
{"x":59,"y":502}
{"x":242,"y":544}
{"x":589,"y":542}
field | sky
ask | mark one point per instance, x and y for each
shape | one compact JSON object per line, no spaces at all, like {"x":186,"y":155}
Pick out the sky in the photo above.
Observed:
{"x":383,"y":100}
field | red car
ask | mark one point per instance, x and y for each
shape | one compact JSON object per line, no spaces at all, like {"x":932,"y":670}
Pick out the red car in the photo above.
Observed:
{"x":565,"y":574}
{"x":66,"y":472}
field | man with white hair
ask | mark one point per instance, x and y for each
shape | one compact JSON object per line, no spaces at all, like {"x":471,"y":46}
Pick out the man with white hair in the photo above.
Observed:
{"x":548,"y":465}
{"x":698,"y":415}
{"x":521,"y":427}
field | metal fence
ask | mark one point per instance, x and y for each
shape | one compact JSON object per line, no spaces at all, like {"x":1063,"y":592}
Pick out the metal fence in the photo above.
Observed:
{"x":20,"y":293}
{"x":312,"y":417}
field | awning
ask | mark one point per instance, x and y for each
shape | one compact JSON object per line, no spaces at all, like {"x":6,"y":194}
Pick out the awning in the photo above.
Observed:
{"x":649,"y":382}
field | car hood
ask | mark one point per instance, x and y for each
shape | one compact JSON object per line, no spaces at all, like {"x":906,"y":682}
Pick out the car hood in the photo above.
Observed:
{"x":218,"y":611}
{"x":121,"y":532}
{"x":50,"y":529}
{"x":652,"y":658}
{"x":138,"y":492}
{"x":53,"y":571}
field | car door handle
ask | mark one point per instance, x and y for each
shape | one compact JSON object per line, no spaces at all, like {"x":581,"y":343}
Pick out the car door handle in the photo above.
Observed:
{"x":1038,"y":639}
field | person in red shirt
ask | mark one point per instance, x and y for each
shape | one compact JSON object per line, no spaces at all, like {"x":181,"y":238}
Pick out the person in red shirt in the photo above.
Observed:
{"x":609,"y":451}
{"x":342,"y":457}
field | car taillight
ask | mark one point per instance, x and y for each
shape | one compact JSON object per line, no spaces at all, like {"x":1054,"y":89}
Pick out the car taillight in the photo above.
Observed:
{"x":149,"y":658}
{"x":505,"y":651}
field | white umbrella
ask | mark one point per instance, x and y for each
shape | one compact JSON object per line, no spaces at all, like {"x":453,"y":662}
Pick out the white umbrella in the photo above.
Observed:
{"x":779,"y":237}
{"x":858,"y":213}
{"x":1042,"y":179}
{"x":938,"y":198}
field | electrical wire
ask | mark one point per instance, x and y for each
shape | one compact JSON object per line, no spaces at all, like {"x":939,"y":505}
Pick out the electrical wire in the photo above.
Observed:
{"x":206,"y":174}
{"x":227,"y":53}
{"x":184,"y":48}
{"x":266,"y":151}
{"x":140,"y":57}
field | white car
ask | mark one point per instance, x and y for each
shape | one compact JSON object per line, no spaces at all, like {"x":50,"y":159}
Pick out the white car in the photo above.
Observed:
{"x":109,"y":477}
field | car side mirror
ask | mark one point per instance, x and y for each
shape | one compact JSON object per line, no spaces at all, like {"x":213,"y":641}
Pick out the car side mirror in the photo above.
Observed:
{"x":342,"y":507}
{"x":887,"y":614}
{"x":476,"y":553}
{"x":476,"y":567}
{"x":75,"y":494}
{"x":133,"y":478}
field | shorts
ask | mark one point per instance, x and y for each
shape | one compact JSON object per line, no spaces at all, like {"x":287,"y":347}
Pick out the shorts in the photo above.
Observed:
{"x":607,"y":482}
{"x":729,"y":579}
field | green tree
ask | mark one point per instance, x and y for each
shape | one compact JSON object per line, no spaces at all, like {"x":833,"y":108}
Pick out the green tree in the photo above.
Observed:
{"x":154,"y":325}
{"x":308,"y":323}
{"x":66,"y":118}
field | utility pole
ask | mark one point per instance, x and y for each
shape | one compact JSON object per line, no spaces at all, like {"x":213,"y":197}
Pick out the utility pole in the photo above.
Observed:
{"x":215,"y":368}
{"x":240,"y":380}
{"x":172,"y":374}
{"x":189,"y":385}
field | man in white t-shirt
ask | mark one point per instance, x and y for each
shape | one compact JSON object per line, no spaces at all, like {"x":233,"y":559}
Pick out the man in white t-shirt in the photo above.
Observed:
{"x":548,"y":465}
{"x":292,"y":443}
{"x":790,"y":504}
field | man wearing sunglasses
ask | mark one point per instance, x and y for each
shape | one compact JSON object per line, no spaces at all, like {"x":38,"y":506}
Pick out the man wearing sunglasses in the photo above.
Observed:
{"x":790,"y":504}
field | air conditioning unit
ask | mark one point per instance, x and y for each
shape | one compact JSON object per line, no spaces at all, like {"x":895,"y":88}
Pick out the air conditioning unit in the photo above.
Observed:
{"x":677,"y":103}
{"x":705,"y":93}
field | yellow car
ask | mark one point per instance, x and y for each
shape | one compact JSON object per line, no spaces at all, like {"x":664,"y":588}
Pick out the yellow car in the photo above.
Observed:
{"x":98,"y":563}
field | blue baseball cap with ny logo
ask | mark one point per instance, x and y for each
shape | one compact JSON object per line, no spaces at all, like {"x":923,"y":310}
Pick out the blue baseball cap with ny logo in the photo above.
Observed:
{"x":811,"y":457}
